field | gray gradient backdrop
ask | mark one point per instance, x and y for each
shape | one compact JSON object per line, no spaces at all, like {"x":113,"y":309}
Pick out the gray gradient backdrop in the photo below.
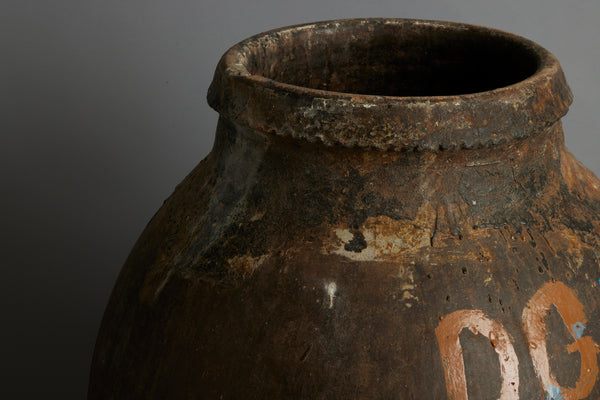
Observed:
{"x":103,"y":112}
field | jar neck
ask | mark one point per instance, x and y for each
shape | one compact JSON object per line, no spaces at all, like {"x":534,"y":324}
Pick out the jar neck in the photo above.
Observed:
{"x":453,"y":190}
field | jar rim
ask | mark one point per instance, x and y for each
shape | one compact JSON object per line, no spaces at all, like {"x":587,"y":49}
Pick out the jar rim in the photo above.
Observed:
{"x":263,"y":102}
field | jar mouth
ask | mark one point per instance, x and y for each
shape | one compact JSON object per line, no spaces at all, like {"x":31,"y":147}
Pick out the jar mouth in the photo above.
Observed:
{"x":403,"y":59}
{"x":387,"y":83}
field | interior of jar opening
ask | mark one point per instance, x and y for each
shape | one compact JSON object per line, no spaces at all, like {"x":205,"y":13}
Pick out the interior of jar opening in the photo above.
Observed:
{"x":393,"y":59}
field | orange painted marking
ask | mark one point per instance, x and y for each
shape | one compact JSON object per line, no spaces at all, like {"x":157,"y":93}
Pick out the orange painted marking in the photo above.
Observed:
{"x":572,"y":313}
{"x":448,"y":332}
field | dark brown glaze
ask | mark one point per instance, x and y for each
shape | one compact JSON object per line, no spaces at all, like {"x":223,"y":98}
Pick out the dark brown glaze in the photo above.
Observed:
{"x":300,"y":261}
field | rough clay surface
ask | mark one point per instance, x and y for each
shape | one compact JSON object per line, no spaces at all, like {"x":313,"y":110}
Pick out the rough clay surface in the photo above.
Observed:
{"x":312,"y":272}
{"x":286,"y":269}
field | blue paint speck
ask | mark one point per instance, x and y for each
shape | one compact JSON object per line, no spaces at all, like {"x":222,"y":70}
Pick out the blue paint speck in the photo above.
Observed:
{"x":554,"y":393}
{"x":578,"y":328}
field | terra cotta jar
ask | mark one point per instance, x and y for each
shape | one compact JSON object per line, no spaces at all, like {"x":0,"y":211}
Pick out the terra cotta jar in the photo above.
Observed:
{"x":389,"y":212}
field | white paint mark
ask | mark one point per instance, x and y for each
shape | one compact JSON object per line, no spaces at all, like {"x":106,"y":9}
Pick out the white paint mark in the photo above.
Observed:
{"x":331,"y":288}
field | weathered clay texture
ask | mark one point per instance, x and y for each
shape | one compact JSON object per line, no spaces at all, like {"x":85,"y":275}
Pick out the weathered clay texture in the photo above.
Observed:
{"x":388,"y":212}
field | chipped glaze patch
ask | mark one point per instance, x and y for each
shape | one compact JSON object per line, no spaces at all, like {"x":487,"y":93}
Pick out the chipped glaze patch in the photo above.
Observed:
{"x":246,"y":264}
{"x":568,"y":240}
{"x":383,"y":238}
{"x":258,"y":216}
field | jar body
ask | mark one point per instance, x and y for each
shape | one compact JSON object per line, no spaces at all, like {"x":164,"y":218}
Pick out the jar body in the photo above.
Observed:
{"x":336,"y":245}
{"x":300,"y":271}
